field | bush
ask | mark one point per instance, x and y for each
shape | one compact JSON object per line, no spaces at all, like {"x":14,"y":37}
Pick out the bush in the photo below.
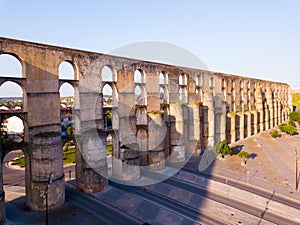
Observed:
{"x":287,"y":129}
{"x":292,"y":123}
{"x":223,"y":148}
{"x":275,"y":134}
{"x":295,"y":116}
{"x":243,"y":154}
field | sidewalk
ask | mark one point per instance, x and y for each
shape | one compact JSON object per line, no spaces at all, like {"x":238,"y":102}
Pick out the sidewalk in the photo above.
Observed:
{"x":271,"y":167}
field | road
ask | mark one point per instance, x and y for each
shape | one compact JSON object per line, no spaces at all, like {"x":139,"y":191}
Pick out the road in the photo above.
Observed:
{"x":16,"y":177}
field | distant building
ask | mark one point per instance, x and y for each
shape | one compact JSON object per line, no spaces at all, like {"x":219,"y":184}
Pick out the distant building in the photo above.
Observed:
{"x":67,"y":120}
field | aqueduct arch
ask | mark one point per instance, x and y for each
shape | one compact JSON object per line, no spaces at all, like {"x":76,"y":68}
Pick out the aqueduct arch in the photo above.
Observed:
{"x":210,"y":107}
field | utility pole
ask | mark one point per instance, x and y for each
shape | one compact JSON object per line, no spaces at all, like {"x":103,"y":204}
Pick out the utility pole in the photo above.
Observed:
{"x":297,"y":169}
{"x":46,"y":195}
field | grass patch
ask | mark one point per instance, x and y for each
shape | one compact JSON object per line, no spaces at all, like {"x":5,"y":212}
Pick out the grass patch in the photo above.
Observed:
{"x":69,"y":158}
{"x":20,"y":161}
{"x":296,"y":99}
{"x":109,"y":148}
{"x":69,"y":155}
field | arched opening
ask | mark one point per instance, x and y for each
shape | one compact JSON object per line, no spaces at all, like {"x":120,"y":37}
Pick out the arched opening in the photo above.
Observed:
{"x":161,"y":78}
{"x":13,"y":166}
{"x":182,"y":80}
{"x":139,"y":77}
{"x":66,"y":71}
{"x":224,"y":89}
{"x":211,"y":82}
{"x":162,"y":95}
{"x":108,"y":103}
{"x":67,"y":96}
{"x":10,"y":66}
{"x":181,"y":94}
{"x":108,"y":74}
{"x":199,"y":80}
{"x":163,"y":88}
{"x":138,"y":95}
{"x":67,"y":100}
{"x":11,"y":96}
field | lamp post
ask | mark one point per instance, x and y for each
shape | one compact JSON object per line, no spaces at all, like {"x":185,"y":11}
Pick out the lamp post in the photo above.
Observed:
{"x":297,"y":170}
{"x":206,"y":149}
{"x":46,"y":195}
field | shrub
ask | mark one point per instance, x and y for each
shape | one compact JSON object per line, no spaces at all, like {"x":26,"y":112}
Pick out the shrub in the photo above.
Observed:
{"x":223,"y":148}
{"x":295,"y":116}
{"x":243,"y":154}
{"x":275,"y":134}
{"x":292,"y":123}
{"x":287,"y":129}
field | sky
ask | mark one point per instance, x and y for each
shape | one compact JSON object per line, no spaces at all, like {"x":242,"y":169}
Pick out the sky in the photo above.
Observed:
{"x":257,"y":38}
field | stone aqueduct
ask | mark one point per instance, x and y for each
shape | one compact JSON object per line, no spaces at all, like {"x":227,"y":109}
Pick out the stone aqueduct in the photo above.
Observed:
{"x":180,"y":111}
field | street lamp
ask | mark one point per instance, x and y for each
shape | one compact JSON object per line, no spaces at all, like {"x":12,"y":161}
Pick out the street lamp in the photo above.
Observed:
{"x":46,"y":195}
{"x":297,"y":173}
{"x":206,"y":148}
{"x":296,"y":163}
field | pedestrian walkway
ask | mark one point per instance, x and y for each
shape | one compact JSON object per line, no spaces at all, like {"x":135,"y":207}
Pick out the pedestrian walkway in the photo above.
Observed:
{"x":271,"y":166}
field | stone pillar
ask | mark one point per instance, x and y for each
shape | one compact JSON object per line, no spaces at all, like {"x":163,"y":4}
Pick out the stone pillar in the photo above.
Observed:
{"x":231,"y":115}
{"x":290,"y":99}
{"x":157,"y":134}
{"x":259,"y":107}
{"x":248,"y":122}
{"x":209,"y":102}
{"x":177,"y":133}
{"x":45,"y":158}
{"x":275,"y":113}
{"x":91,"y":159}
{"x":267,"y":119}
{"x":254,"y":121}
{"x":269,"y":97}
{"x":127,"y":167}
{"x":223,"y":121}
{"x":2,"y":194}
{"x":241,"y":125}
{"x":193,"y":128}
{"x":279,"y":113}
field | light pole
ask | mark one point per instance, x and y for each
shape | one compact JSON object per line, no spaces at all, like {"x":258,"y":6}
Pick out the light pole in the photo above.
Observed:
{"x":297,"y":170}
{"x":46,"y":195}
{"x":206,"y":149}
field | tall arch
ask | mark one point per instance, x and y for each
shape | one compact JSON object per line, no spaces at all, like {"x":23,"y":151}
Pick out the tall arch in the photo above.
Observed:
{"x":108,"y":74}
{"x":163,"y":88}
{"x":11,"y":65}
{"x":13,"y":96}
{"x":67,"y":70}
{"x":182,"y":82}
{"x":139,"y":76}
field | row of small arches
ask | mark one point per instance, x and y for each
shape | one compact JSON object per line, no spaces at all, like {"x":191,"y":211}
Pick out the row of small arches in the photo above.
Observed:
{"x":11,"y":66}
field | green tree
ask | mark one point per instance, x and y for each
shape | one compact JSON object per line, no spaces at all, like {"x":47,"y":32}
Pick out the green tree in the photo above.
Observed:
{"x":275,"y":134}
{"x":223,"y":148}
{"x":287,"y":129}
{"x":295,"y":116}
{"x":244,"y":155}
